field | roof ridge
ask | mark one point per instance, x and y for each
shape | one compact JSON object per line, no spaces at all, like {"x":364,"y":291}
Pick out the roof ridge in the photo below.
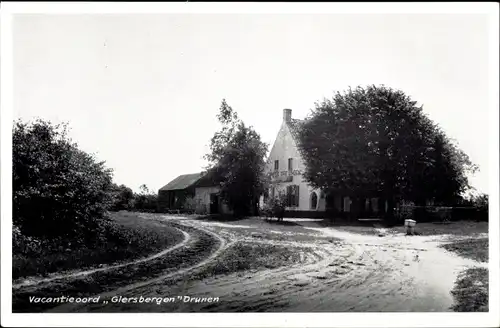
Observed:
{"x":182,"y":181}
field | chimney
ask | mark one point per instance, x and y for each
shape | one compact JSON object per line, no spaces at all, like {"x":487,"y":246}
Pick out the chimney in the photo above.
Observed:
{"x":287,"y":115}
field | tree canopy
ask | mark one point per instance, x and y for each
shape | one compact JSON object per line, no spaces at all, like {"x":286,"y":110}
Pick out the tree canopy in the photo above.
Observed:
{"x":377,"y":141}
{"x":59,"y":191}
{"x":236,"y":159}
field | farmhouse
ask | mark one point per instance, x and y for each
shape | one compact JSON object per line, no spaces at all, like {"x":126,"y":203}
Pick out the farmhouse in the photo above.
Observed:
{"x":285,"y":167}
{"x":199,"y":192}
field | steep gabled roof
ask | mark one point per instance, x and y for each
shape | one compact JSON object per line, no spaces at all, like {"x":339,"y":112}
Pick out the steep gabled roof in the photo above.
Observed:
{"x":295,"y":126}
{"x":182,"y":182}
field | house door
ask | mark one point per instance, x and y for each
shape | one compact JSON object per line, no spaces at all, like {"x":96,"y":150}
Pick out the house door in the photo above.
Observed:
{"x":214,"y":204}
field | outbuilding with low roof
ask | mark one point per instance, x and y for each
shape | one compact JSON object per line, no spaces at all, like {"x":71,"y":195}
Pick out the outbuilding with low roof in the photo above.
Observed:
{"x":173,"y":195}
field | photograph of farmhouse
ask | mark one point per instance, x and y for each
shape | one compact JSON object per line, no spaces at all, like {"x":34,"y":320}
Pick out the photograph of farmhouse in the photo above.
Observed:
{"x":242,"y":161}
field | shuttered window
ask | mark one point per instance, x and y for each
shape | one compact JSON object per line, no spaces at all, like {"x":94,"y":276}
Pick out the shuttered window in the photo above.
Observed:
{"x":292,"y":193}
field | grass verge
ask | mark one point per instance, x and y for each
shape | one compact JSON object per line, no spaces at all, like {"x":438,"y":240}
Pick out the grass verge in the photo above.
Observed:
{"x":471,"y":291}
{"x":100,"y":282}
{"x":456,"y":228}
{"x":129,"y":237}
{"x":249,"y":256}
{"x":475,"y":249}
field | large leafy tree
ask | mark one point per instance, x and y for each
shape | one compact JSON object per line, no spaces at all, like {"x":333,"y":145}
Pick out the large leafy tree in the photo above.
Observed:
{"x":377,"y":141}
{"x":59,"y":191}
{"x":236,"y":160}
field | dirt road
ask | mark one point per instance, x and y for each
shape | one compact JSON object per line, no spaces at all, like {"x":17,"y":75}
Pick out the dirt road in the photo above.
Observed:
{"x":336,"y":271}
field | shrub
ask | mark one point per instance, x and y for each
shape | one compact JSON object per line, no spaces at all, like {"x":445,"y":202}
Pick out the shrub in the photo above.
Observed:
{"x":122,"y":198}
{"x":146,"y":203}
{"x":275,"y":206}
{"x":22,"y":244}
{"x":481,"y":203}
{"x":59,"y":191}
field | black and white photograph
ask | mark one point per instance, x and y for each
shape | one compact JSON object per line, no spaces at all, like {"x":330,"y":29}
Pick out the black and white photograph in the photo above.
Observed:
{"x":240,"y":158}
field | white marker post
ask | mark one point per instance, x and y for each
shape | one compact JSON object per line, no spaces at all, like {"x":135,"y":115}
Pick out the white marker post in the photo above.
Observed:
{"x":410,"y":225}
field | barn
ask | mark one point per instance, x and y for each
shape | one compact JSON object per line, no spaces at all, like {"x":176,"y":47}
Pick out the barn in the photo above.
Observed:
{"x":173,"y":195}
{"x":196,"y":192}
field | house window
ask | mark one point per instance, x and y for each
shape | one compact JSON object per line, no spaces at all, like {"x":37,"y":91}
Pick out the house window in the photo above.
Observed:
{"x":290,"y":164}
{"x":313,"y":201}
{"x":292,"y":195}
{"x":276,"y":165}
{"x":272,"y":193}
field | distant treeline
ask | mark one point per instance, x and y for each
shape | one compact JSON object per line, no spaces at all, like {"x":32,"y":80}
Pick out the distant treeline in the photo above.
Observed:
{"x":124,"y":199}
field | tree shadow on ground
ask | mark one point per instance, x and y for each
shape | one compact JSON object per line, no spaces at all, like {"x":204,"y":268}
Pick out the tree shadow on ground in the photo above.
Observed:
{"x":219,"y":218}
{"x":334,"y":222}
{"x":283,"y":223}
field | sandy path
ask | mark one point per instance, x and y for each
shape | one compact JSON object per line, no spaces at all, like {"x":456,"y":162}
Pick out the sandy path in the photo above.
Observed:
{"x":359,"y":273}
{"x":362,"y":273}
{"x":151,"y":282}
{"x":78,"y":274}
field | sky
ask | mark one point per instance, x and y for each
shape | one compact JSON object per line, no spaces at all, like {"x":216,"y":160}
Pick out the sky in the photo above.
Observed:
{"x":142,"y":91}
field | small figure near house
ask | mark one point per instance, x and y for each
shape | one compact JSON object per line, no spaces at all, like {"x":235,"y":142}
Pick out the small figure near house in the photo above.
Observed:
{"x":279,"y":211}
{"x":275,"y":208}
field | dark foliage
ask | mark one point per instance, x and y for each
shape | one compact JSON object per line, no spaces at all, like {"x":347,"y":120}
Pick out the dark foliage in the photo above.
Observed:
{"x":236,"y":161}
{"x":145,"y":201}
{"x":375,"y":141}
{"x":275,"y":207}
{"x":59,"y":191}
{"x":122,"y":198}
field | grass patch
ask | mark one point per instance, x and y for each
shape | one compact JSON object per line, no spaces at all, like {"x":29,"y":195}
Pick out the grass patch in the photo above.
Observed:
{"x":128,"y":237}
{"x":219,"y":218}
{"x":457,"y":228}
{"x":471,"y":291}
{"x":475,"y":249}
{"x":282,"y":235}
{"x":367,"y":231}
{"x":248,"y":256}
{"x":104,"y":281}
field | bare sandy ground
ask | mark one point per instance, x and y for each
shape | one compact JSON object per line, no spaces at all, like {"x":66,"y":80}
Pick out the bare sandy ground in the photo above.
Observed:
{"x":338,"y":271}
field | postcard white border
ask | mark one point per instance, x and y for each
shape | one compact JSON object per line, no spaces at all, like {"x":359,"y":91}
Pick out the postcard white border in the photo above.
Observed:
{"x":243,"y":319}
